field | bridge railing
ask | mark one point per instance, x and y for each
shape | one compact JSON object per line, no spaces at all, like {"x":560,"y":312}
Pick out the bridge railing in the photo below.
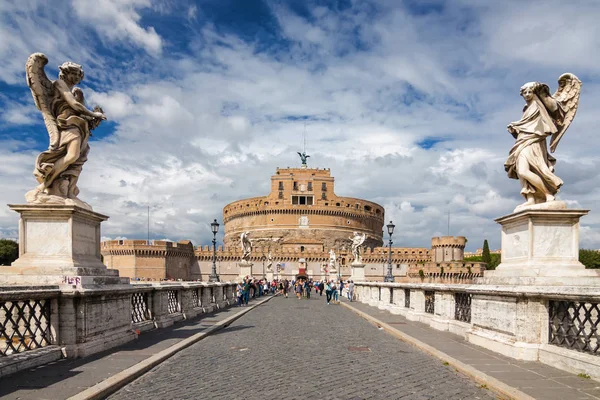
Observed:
{"x":42,"y":324}
{"x":557,"y":325}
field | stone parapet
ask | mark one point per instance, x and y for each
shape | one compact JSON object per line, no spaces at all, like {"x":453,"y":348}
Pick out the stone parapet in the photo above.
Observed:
{"x":47,"y":323}
{"x":550,"y":324}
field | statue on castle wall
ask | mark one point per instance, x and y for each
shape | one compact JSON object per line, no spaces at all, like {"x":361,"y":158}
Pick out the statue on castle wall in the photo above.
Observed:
{"x":544,"y":115}
{"x":332,"y":259}
{"x":269,"y":261}
{"x":246,"y":246}
{"x":69,"y":124}
{"x":357,"y":242}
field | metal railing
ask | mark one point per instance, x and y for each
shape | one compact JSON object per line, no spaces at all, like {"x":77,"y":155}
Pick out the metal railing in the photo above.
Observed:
{"x":139,"y":307}
{"x":462,"y":307}
{"x":429,"y":302}
{"x":172,"y":302}
{"x":24,"y":325}
{"x":574,"y":325}
{"x":406,"y":298}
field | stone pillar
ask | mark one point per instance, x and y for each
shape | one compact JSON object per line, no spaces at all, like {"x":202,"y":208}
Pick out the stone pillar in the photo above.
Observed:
{"x":358,"y":272}
{"x":207,"y":304}
{"x":398,"y":303}
{"x":384,"y":303}
{"x":417,"y":305}
{"x":245,"y":269}
{"x":444,"y":310}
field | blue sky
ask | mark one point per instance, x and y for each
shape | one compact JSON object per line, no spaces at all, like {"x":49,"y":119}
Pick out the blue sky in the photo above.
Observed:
{"x":406,"y":101}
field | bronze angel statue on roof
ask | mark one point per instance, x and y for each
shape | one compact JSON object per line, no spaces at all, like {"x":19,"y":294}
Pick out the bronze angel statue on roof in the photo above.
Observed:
{"x":69,"y":123}
{"x":544,"y":115}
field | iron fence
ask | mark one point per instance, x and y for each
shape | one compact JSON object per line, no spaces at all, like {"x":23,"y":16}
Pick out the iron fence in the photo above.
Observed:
{"x":24,"y":325}
{"x":574,"y":325}
{"x":391,"y":296}
{"x":172,"y":301}
{"x":429,"y":302}
{"x":196,"y":298}
{"x":462,"y":307}
{"x":139,"y":307}
{"x":406,"y":298}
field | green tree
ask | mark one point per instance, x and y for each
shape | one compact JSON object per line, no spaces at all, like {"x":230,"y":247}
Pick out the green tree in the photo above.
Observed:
{"x":485,"y":256}
{"x":9,"y":251}
{"x":590,"y":258}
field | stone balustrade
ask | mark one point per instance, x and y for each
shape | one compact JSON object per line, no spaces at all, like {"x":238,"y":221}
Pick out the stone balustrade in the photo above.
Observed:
{"x":554,"y":325}
{"x":43,"y":324}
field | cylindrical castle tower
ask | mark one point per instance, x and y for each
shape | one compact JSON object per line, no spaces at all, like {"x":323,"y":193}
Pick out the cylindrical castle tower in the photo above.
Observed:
{"x":448,"y":248}
{"x":302,"y":212}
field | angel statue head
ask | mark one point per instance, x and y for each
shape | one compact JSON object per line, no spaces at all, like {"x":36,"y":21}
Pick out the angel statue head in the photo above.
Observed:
{"x":71,"y":72}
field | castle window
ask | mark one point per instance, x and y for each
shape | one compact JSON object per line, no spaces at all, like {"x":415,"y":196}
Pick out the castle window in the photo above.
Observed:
{"x":326,"y":204}
{"x":266,"y":203}
{"x":323,"y":186}
{"x":337,"y":204}
{"x":280,"y":185}
{"x":272,"y":219}
{"x":378,"y":211}
{"x":303,"y":200}
{"x":295,"y":185}
{"x":367,"y":208}
{"x":120,"y":242}
{"x":356,"y":206}
{"x":302,"y":248}
{"x":309,"y":186}
{"x":281,"y":195}
{"x":324,"y":196}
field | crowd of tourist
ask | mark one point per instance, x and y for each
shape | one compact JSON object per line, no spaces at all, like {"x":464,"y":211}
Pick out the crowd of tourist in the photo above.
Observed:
{"x":251,"y":287}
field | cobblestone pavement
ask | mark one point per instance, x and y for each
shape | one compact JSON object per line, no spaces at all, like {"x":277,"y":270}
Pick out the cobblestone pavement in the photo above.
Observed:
{"x":302,"y":349}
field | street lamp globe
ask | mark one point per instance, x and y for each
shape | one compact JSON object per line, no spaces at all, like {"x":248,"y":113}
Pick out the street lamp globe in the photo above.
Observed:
{"x":390,"y":228}
{"x":214,"y":226}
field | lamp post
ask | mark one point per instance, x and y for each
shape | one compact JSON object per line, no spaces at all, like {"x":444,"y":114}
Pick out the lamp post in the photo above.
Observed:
{"x":263,"y":258}
{"x":214,"y":226}
{"x":389,"y":277}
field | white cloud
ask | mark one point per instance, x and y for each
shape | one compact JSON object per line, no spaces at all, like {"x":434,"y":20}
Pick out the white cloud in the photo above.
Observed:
{"x":210,"y":124}
{"x":119,"y":20}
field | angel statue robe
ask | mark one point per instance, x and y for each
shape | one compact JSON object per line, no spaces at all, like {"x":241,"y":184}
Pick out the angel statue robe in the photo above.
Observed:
{"x":71,"y":126}
{"x":531,"y":133}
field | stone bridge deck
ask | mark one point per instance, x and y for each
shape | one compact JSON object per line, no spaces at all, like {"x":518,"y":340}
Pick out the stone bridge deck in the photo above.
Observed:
{"x":300,"y":349}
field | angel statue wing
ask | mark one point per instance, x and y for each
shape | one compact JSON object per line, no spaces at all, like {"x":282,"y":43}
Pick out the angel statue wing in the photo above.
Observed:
{"x":362,"y":239}
{"x":567,"y":95}
{"x":42,"y":90}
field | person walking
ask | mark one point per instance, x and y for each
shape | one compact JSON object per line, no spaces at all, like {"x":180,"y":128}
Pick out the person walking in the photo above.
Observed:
{"x":321,"y":287}
{"x":351,"y":290}
{"x":286,"y":288}
{"x":328,"y":292}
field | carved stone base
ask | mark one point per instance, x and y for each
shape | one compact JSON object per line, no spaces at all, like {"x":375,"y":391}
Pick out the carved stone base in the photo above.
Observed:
{"x":245,"y":269}
{"x":358,"y":272}
{"x":59,"y":245}
{"x":541,"y":247}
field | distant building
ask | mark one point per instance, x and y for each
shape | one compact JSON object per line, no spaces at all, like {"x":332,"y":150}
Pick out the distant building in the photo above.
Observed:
{"x":301,"y":218}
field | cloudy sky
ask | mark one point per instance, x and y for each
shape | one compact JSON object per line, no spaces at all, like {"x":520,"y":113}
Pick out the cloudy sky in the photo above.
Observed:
{"x":406,"y":101}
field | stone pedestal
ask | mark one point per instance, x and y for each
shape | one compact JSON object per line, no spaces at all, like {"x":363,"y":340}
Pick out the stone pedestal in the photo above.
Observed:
{"x":270,"y":275}
{"x":59,"y":245}
{"x":358,"y":272}
{"x":541,"y":247}
{"x":245,"y":268}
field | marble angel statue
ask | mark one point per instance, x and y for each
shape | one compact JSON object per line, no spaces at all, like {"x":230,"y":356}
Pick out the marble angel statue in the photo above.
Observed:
{"x":246,"y":246}
{"x":544,"y":115}
{"x":332,"y":259}
{"x":69,"y":123}
{"x":269,"y":261}
{"x":357,"y":241}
